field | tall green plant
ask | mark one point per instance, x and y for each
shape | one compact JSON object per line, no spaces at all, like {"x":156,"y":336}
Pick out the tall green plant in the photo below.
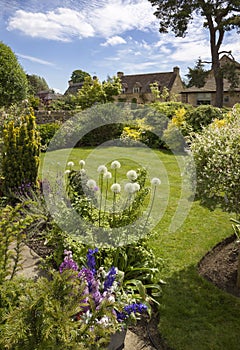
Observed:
{"x":12,"y":232}
{"x":21,"y":147}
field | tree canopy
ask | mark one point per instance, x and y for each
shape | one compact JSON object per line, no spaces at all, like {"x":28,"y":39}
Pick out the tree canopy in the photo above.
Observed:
{"x":220,"y":16}
{"x":197,"y":75}
{"x":93,"y":91}
{"x":36,"y":84}
{"x":78,"y":76}
{"x":13,"y":80}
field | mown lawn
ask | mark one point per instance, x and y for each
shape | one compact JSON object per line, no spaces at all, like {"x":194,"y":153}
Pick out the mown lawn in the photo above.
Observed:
{"x":194,"y":315}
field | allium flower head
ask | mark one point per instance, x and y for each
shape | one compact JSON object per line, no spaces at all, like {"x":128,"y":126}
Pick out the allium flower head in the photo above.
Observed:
{"x":115,"y":165}
{"x":81,"y":163}
{"x":136,"y":187}
{"x":132,"y":175}
{"x":108,"y":175}
{"x":116,"y":188}
{"x":67,"y":171}
{"x":102,"y":169}
{"x":70,"y":164}
{"x":91,"y":184}
{"x":129,"y":188}
{"x":155,"y":181}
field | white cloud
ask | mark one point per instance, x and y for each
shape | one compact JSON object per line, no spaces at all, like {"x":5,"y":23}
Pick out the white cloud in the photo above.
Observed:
{"x":35,"y":59}
{"x":114,"y":40}
{"x":107,"y":19}
{"x":61,"y":24}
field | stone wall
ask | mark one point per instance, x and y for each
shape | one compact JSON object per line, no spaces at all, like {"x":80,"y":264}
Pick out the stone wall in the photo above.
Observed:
{"x":43,"y":117}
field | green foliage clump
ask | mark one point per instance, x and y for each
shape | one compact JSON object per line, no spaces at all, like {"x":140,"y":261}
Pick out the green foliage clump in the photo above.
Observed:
{"x":13,"y":80}
{"x":13,"y":227}
{"x":216,"y":153}
{"x":36,"y":84}
{"x":21,"y":146}
{"x":42,"y":317}
{"x":47,"y":131}
{"x":202,"y":116}
{"x":93,"y":91}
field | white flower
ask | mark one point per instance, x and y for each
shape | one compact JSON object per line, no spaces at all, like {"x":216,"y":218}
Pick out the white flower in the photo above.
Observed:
{"x":116,"y":188}
{"x":155,"y":181}
{"x":115,"y":165}
{"x":132,"y":175}
{"x":70,"y":164}
{"x":67,"y":171}
{"x":136,"y":186}
{"x":132,"y":187}
{"x":82,"y":163}
{"x":108,"y":175}
{"x":129,"y":188}
{"x":102,"y":169}
{"x":91,"y":184}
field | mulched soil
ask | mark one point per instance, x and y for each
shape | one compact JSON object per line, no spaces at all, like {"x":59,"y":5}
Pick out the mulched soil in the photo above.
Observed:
{"x":219,"y":266}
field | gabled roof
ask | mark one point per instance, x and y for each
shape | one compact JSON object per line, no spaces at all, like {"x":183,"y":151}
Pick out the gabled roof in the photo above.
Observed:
{"x":144,"y":80}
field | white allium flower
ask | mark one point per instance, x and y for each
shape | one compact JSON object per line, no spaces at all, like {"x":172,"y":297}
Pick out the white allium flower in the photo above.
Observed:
{"x":108,"y":175}
{"x":82,"y":163}
{"x":70,"y":164}
{"x":129,"y":188}
{"x":82,"y":171}
{"x":102,"y":169}
{"x":115,"y":165}
{"x":116,"y":188}
{"x":136,"y":186}
{"x":67,"y":171}
{"x":155,"y":181}
{"x":132,"y":175}
{"x":91,"y":184}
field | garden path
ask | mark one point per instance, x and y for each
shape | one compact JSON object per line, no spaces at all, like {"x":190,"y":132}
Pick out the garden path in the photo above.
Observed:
{"x":31,"y":269}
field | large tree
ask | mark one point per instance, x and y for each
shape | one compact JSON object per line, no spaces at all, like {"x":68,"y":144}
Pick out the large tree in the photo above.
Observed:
{"x":220,"y":16}
{"x":197,"y":75}
{"x":13,"y":80}
{"x":79,"y":75}
{"x":36,"y":84}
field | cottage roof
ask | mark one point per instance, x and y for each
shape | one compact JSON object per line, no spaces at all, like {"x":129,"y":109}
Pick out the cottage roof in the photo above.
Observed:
{"x":144,"y":80}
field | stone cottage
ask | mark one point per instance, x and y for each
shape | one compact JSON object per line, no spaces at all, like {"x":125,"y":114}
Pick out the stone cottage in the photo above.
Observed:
{"x":136,"y":87}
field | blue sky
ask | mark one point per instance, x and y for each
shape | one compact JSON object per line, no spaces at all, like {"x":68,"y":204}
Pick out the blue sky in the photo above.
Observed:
{"x":52,"y":38}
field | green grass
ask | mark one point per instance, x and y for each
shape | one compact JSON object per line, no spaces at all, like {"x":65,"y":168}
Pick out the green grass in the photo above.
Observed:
{"x":194,"y":315}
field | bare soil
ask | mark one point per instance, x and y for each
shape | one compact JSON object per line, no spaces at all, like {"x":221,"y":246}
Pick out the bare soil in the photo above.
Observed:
{"x":219,"y":266}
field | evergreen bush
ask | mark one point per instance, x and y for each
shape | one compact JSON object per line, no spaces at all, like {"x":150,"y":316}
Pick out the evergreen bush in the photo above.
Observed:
{"x":20,"y":158}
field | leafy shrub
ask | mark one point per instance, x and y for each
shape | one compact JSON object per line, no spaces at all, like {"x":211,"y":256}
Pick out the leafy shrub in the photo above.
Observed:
{"x":216,"y":153}
{"x":47,"y":131}
{"x":202,"y":116}
{"x":21,"y":146}
{"x":12,"y":233}
{"x":173,"y":138}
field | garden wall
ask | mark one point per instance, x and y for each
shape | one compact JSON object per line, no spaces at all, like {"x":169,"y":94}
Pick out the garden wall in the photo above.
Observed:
{"x":43,"y":117}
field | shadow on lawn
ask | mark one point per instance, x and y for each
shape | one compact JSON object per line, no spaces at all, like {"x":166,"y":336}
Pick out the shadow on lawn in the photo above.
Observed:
{"x":196,"y":315}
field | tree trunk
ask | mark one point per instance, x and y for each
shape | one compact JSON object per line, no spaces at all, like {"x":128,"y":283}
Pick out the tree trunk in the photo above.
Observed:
{"x":219,"y":88}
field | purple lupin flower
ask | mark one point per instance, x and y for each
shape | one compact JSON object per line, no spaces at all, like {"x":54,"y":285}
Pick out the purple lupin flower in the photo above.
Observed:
{"x":91,"y":262}
{"x":135,"y":308}
{"x":68,"y":262}
{"x":110,"y":278}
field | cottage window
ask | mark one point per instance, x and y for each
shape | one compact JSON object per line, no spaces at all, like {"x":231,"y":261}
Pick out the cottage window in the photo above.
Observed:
{"x":136,"y":90}
{"x":203,"y":98}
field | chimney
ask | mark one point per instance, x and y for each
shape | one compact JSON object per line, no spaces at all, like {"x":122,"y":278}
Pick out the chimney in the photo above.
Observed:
{"x":120,"y":75}
{"x":176,"y":70}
